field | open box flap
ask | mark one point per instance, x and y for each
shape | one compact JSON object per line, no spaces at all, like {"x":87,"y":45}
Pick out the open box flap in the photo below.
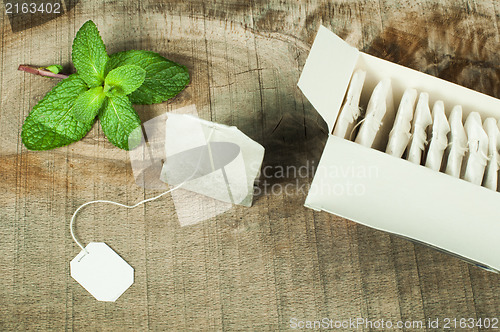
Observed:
{"x":393,"y":195}
{"x":326,"y":74}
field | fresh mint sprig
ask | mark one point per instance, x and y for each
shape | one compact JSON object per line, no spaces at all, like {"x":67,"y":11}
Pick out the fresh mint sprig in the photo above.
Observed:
{"x":104,"y":87}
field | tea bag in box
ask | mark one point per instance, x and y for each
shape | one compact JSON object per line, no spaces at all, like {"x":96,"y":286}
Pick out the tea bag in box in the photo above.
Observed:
{"x":422,"y":120}
{"x":477,"y":156}
{"x":491,"y":174}
{"x":400,"y":133}
{"x":379,"y":117}
{"x":350,"y":111}
{"x":439,"y":140}
{"x":457,"y":143}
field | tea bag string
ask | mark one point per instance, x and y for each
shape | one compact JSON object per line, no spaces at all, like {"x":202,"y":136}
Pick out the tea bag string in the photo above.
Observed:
{"x":113,"y":203}
{"x":354,"y":128}
{"x":484,"y":158}
{"x":141,"y":202}
{"x":376,"y":123}
{"x":455,"y":144}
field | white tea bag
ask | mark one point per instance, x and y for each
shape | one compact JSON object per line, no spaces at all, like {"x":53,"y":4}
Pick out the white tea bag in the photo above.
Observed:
{"x":379,"y":118}
{"x":457,"y":143}
{"x":400,"y":133}
{"x":350,"y":111}
{"x":216,"y":165}
{"x":422,"y":120}
{"x":491,"y":174}
{"x":439,"y":138}
{"x":477,"y":156}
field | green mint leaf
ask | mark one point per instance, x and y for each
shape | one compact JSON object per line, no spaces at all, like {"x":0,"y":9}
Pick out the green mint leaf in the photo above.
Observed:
{"x":120,"y":122}
{"x":88,"y":104}
{"x":56,"y":69}
{"x":124,"y":80}
{"x":50,"y":124}
{"x":164,"y":78}
{"x":89,"y":54}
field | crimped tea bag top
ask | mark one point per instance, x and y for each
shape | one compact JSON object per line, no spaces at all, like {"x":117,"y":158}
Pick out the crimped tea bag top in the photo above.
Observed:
{"x":457,"y":143}
{"x":400,"y":133}
{"x":477,"y":156}
{"x":491,"y":174}
{"x":379,"y":118}
{"x":439,"y":139}
{"x":422,"y":120}
{"x":350,"y":111}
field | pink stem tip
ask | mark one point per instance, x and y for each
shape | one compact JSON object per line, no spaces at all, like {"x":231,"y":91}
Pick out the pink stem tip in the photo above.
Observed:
{"x":41,"y":72}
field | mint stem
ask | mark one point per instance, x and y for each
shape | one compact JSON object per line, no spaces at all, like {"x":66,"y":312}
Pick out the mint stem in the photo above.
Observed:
{"x":40,"y":71}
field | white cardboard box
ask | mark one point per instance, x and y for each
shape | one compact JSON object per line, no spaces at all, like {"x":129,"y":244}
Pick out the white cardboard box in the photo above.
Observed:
{"x":381,"y":191}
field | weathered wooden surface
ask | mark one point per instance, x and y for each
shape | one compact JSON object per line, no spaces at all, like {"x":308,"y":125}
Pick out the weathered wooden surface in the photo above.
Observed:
{"x":248,"y":269}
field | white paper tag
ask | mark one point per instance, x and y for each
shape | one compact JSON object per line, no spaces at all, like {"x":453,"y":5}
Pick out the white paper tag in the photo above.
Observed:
{"x":102,"y":272}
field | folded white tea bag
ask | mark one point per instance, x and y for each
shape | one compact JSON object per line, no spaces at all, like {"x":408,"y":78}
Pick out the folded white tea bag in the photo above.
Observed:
{"x":422,"y":120}
{"x":400,"y":133}
{"x":477,"y":155}
{"x":491,"y":174}
{"x":212,"y":160}
{"x":439,"y":138}
{"x":379,"y":118}
{"x":457,"y":145}
{"x":350,"y":111}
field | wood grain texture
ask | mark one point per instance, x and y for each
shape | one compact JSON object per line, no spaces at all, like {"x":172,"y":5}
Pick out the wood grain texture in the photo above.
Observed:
{"x":247,"y":269}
